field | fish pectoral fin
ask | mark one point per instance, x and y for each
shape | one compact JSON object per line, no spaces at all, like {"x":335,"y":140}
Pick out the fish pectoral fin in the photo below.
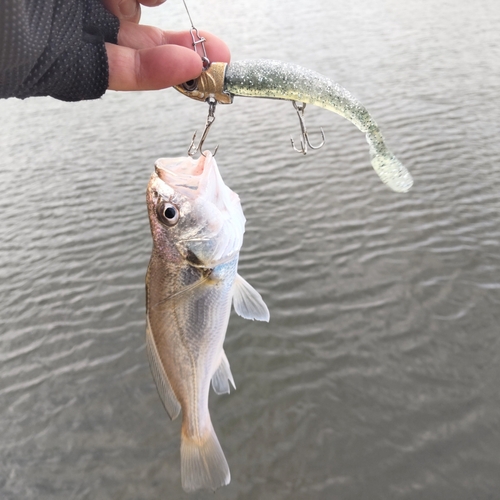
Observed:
{"x":247,"y":301}
{"x":165,"y":391}
{"x":222,"y":377}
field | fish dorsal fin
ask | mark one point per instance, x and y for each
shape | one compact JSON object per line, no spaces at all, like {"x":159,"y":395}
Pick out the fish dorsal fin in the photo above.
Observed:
{"x":247,"y":301}
{"x":165,"y":391}
{"x":222,"y":377}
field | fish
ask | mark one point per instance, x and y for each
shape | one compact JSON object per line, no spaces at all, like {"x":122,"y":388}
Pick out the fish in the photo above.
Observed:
{"x":267,"y":78}
{"x":197,"y":227}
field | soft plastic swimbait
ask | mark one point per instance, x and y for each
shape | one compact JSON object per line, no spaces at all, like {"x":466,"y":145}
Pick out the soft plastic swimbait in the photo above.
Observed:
{"x":278,"y":80}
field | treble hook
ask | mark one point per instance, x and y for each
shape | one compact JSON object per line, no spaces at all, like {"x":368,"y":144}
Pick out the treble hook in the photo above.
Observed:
{"x":192,"y":150}
{"x":304,"y":142}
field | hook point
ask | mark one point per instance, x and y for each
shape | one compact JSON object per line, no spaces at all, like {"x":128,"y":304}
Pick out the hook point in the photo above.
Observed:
{"x":305,"y":142}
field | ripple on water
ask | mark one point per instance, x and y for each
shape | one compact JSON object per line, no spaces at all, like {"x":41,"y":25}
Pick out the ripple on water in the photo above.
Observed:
{"x":377,"y":374}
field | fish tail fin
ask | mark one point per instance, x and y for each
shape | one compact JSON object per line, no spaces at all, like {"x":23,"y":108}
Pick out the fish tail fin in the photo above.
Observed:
{"x":203,"y":464}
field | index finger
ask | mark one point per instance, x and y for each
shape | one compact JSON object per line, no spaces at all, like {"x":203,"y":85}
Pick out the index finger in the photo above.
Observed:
{"x":152,"y":68}
{"x":137,"y":36}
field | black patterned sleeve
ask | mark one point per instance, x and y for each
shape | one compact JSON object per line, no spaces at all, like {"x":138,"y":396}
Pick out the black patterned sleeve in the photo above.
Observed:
{"x":55,"y":48}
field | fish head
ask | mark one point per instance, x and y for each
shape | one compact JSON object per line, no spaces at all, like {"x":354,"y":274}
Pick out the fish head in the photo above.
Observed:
{"x":193,"y":214}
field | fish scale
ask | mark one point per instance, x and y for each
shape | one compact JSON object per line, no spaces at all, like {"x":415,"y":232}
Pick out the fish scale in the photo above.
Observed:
{"x":197,"y":226}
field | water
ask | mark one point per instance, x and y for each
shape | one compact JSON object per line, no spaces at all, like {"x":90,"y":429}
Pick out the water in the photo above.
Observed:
{"x":377,"y":377}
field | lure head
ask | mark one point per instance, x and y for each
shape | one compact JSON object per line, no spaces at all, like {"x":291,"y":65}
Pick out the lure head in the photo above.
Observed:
{"x":210,"y":84}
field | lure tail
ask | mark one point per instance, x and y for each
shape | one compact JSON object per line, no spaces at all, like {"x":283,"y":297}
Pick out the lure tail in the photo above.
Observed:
{"x":203,"y":464}
{"x":390,"y":170}
{"x":278,"y":80}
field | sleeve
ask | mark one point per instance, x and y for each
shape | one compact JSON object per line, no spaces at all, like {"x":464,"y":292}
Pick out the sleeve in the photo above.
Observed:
{"x":55,"y":48}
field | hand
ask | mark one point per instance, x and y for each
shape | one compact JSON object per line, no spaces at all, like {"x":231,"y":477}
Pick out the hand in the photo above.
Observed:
{"x":148,"y":58}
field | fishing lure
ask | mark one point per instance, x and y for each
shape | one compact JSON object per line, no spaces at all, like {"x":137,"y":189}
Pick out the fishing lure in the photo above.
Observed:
{"x":264,"y":78}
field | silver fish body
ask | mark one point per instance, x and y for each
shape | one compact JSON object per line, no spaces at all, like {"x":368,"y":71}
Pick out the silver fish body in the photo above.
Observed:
{"x":279,"y":80}
{"x":197,"y":226}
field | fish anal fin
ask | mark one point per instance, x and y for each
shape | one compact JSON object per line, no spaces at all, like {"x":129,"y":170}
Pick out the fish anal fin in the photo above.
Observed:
{"x":203,"y":464}
{"x":222,"y":377}
{"x":247,"y":301}
{"x":167,"y":396}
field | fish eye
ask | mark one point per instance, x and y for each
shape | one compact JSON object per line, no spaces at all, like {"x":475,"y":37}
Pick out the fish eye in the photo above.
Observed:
{"x":190,"y":85}
{"x":168,"y":214}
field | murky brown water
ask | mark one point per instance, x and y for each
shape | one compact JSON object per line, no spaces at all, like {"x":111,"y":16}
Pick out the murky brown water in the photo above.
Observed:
{"x":378,"y":375}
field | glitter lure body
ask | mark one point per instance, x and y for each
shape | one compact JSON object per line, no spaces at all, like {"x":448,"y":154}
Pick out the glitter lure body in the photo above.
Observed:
{"x":278,"y":80}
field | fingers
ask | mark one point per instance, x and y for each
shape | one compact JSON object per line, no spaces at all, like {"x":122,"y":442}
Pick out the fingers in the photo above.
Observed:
{"x":138,"y":36}
{"x":142,"y":37}
{"x":152,"y":3}
{"x":129,"y":10}
{"x":152,"y":68}
{"x":148,"y":58}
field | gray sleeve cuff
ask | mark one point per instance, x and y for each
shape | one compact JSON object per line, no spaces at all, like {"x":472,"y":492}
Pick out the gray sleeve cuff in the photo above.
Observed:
{"x":57,"y":49}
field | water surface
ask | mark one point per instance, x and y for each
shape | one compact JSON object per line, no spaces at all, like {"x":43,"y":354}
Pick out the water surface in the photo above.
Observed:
{"x":377,"y":377}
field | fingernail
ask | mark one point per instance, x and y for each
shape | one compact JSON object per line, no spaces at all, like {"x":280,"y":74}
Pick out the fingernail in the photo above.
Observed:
{"x":128,"y":8}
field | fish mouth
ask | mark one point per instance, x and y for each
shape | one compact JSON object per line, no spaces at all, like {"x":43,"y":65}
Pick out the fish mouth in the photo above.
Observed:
{"x":185,"y":174}
{"x":197,"y":178}
{"x":211,"y":216}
